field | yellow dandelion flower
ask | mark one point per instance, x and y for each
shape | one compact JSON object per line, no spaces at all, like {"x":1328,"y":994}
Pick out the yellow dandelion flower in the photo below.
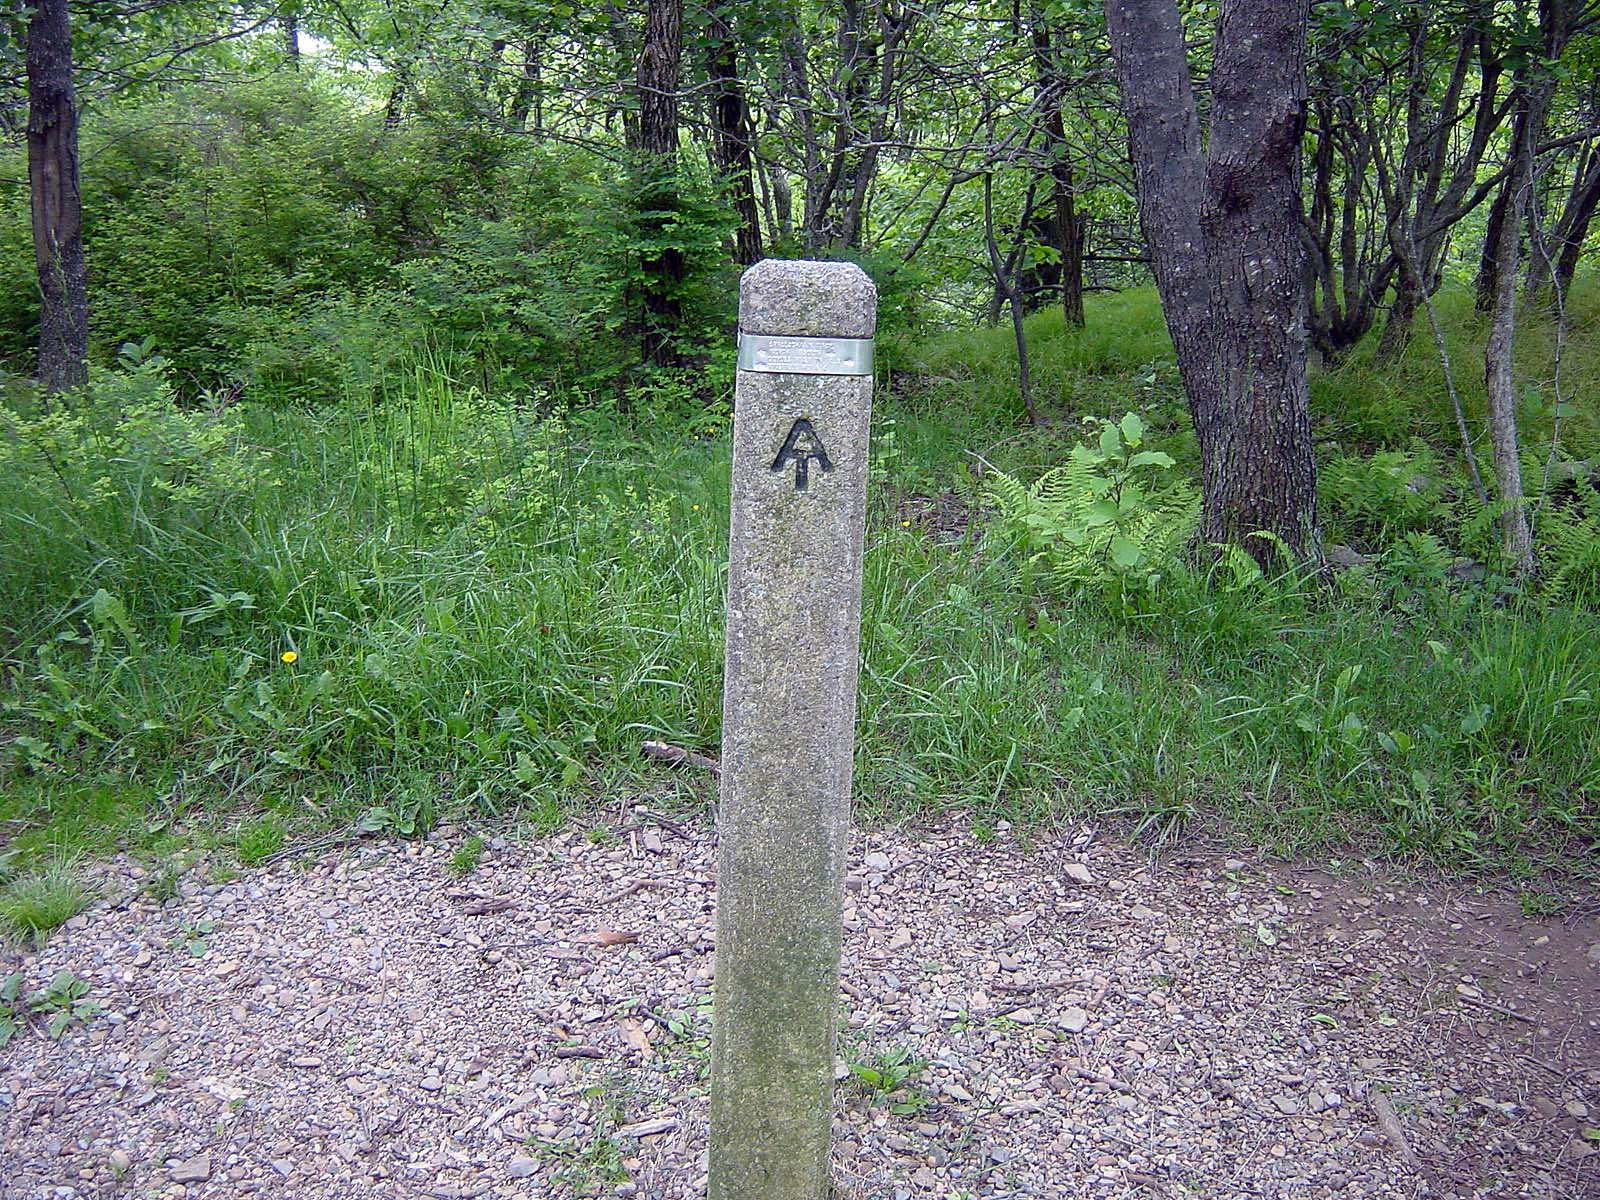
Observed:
{"x":288,"y":657}
{"x":695,"y":507}
{"x":905,"y":524}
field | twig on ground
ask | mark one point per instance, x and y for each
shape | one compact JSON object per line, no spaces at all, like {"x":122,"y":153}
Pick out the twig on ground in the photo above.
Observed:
{"x":1389,"y":1123}
{"x":677,"y":756}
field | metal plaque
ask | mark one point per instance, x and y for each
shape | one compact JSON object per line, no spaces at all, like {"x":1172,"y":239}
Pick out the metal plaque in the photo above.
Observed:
{"x":779,"y":355}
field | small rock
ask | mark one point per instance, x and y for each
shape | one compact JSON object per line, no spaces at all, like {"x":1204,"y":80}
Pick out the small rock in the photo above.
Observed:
{"x":1545,"y":1106}
{"x":1140,"y":913}
{"x":431,"y":1083}
{"x":1577,"y":1109}
{"x":1078,"y":873}
{"x":192,"y":1170}
{"x":523,"y":1168}
{"x":901,"y":939}
{"x":1074,"y":1020}
{"x":1287,"y":1105}
{"x":119,"y":1161}
{"x":878,"y":861}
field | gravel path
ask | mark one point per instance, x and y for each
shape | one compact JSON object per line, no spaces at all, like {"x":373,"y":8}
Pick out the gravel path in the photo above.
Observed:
{"x":1072,"y":1018}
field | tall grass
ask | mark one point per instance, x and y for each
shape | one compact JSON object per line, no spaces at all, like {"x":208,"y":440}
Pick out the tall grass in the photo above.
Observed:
{"x":432,"y":602}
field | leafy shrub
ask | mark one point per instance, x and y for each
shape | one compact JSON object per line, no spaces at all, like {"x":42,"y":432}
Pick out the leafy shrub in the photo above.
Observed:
{"x":1107,"y":520}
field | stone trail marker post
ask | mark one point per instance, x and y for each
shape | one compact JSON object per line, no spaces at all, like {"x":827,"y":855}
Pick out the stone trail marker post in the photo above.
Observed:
{"x":801,"y":414}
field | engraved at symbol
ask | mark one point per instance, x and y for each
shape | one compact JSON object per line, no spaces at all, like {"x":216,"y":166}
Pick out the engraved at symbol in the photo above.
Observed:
{"x":800,"y":447}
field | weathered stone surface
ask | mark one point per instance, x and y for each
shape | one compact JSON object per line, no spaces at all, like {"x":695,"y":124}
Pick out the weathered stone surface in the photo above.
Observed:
{"x":794,"y":608}
{"x":810,"y":299}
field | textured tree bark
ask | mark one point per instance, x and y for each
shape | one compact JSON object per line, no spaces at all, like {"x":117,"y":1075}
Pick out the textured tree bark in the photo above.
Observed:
{"x":57,"y":202}
{"x":731,"y":137}
{"x":662,"y":266}
{"x":1224,"y":230}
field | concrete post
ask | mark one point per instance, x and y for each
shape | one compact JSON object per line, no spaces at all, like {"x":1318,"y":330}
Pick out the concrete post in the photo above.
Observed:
{"x":801,"y":414}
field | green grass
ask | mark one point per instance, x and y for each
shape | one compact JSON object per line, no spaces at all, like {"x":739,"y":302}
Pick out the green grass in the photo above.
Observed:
{"x":464,"y":861}
{"x":248,"y":626}
{"x":35,"y":904}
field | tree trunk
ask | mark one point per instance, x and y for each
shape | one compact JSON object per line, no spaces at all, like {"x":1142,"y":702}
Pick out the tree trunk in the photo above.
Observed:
{"x":1005,"y":283}
{"x":657,"y":80}
{"x":1224,"y":230}
{"x":1565,"y":244}
{"x":1402,"y":316}
{"x":731,"y":141}
{"x":290,"y":24}
{"x":1486,"y":286}
{"x":527,"y":100}
{"x":1066,"y":227}
{"x":57,"y":203}
{"x":1501,"y":258}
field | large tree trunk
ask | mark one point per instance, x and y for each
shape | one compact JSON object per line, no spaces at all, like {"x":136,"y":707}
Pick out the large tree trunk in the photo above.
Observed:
{"x":57,"y":203}
{"x":1224,"y":230}
{"x":731,"y":141}
{"x":657,"y":81}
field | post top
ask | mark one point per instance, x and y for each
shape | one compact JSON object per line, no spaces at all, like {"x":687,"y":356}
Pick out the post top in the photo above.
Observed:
{"x":801,"y":297}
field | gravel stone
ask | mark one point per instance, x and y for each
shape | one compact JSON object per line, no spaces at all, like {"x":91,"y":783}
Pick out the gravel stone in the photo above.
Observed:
{"x":1086,"y":1052}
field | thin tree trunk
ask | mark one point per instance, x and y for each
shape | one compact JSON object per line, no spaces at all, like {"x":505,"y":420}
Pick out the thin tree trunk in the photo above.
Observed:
{"x":57,"y":202}
{"x":527,"y":99}
{"x":1486,"y":285}
{"x":1224,"y":231}
{"x":1502,"y":255}
{"x":1067,"y":229}
{"x":1006,"y":284}
{"x":731,"y":140}
{"x":657,"y":80}
{"x":1565,"y":246}
{"x":290,"y":24}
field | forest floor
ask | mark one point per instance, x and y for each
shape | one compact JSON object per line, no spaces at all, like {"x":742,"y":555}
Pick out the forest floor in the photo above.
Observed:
{"x":1050,"y":1014}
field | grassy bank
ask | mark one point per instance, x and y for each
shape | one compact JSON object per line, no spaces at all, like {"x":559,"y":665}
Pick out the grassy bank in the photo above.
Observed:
{"x":237,"y":623}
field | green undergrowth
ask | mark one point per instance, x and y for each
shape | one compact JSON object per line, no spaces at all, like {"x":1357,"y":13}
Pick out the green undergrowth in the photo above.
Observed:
{"x":245,"y":624}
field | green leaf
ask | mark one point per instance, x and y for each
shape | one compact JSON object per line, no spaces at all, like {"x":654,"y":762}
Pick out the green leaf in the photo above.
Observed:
{"x":1110,"y":442}
{"x":1133,"y":428}
{"x":1101,"y":512}
{"x":1152,"y":458}
{"x":1125,"y":553}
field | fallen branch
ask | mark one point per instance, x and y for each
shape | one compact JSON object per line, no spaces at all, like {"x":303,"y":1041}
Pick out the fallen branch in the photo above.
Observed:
{"x":677,"y":756}
{"x":1389,"y":1123}
{"x":482,"y":908}
{"x":579,"y":1052}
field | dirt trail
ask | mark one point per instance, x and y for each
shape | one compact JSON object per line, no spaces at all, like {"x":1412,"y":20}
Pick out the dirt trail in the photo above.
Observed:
{"x":1071,"y":1020}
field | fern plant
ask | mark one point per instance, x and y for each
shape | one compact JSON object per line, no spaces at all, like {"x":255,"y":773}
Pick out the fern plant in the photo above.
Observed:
{"x":1108,"y":520}
{"x":1569,"y":544}
{"x":1381,"y":498}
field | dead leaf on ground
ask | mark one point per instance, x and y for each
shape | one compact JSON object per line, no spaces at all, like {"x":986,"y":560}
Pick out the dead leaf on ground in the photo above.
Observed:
{"x":634,"y":1036}
{"x":608,"y":937}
